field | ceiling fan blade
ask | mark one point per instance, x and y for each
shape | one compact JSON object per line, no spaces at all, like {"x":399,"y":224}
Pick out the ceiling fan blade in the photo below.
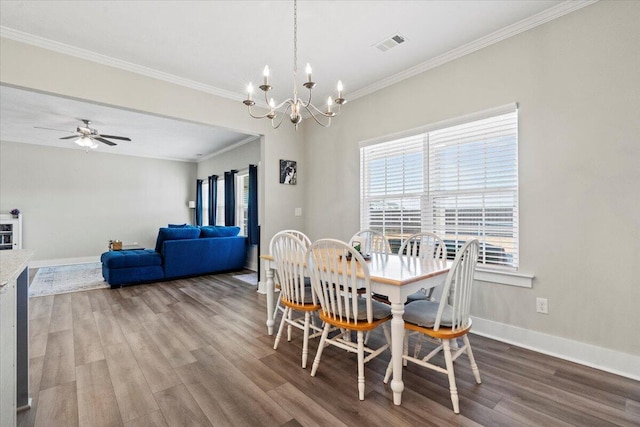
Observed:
{"x":123,"y":138}
{"x":104,"y":141}
{"x":59,"y":130}
{"x":70,"y":137}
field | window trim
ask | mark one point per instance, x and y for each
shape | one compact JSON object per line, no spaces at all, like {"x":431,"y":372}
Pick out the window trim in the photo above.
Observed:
{"x":241,"y":208}
{"x":503,"y":109}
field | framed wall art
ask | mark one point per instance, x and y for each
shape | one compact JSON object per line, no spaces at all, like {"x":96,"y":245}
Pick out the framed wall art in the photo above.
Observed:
{"x":288,"y":172}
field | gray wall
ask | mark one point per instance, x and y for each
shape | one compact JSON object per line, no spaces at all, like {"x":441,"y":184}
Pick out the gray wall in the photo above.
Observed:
{"x":239,"y":158}
{"x":74,"y":202}
{"x":32,"y":67}
{"x":577,"y":82}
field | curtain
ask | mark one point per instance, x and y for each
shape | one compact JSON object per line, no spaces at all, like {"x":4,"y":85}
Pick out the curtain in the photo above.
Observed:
{"x":252,"y":206}
{"x":198,"y":202}
{"x":213,"y":198}
{"x":230,"y":197}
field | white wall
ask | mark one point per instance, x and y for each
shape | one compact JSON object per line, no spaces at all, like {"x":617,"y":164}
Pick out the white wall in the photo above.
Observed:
{"x":74,"y":202}
{"x":577,"y":82}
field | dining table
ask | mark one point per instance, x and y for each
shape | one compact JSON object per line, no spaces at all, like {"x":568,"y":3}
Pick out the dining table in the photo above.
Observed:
{"x":391,"y":275}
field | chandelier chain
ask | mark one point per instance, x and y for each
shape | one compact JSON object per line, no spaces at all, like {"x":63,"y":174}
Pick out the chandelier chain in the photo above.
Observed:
{"x":295,"y":46}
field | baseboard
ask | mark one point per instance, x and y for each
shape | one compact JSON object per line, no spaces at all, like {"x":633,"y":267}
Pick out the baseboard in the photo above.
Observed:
{"x":63,"y":261}
{"x":262,"y":287}
{"x":626,"y":365}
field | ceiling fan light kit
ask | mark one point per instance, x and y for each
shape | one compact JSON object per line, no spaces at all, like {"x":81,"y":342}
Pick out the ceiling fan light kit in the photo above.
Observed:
{"x":87,"y":136}
{"x":294,"y":106}
{"x":87,"y":143}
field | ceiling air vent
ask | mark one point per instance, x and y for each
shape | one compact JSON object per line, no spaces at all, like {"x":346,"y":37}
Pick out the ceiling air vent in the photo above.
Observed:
{"x":390,"y":42}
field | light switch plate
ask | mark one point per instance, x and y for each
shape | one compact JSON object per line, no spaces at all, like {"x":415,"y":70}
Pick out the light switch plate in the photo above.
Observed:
{"x":297,"y":212}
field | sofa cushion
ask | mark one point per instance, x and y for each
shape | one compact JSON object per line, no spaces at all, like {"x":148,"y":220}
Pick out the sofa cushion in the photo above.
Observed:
{"x":219,"y":231}
{"x":127,"y":259}
{"x":175,"y":234}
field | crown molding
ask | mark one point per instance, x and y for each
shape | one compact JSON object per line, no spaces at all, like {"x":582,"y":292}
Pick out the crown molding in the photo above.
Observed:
{"x":229,"y":148}
{"x":77,"y":52}
{"x":488,"y":40}
{"x":495,"y":37}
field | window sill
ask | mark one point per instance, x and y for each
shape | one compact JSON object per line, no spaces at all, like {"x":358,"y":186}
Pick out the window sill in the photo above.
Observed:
{"x":521,"y":280}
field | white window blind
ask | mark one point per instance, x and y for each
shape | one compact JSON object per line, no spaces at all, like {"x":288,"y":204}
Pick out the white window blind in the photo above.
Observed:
{"x":205,"y":203}
{"x":220,"y":203}
{"x":242,"y":202}
{"x":460,"y":182}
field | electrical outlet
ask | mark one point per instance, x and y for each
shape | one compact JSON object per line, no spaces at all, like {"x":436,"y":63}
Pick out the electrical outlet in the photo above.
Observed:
{"x":542,"y":305}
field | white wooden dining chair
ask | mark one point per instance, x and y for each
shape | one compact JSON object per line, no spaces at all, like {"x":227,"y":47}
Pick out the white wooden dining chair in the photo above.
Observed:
{"x":445,"y":321}
{"x":334,"y":267}
{"x":289,"y":257}
{"x":374,"y":242}
{"x":423,"y":246}
{"x":307,"y":242}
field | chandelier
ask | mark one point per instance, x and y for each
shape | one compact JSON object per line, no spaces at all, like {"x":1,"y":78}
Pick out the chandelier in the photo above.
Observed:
{"x":294,"y":106}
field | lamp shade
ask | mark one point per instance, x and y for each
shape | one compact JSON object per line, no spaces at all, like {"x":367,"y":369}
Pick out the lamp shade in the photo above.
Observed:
{"x":192,"y":204}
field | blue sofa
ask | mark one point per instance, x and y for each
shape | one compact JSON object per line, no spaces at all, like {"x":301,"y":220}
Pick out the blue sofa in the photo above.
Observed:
{"x":181,"y":251}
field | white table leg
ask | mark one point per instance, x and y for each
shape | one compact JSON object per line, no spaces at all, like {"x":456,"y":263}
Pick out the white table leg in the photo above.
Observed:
{"x":397,"y":339}
{"x":269,"y":274}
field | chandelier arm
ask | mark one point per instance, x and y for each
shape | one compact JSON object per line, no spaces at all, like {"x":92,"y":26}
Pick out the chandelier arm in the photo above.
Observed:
{"x":330,"y":115}
{"x":281,"y":118}
{"x":288,"y":101}
{"x":316,"y":119}
{"x":308,"y":100}
{"x":257,"y":117}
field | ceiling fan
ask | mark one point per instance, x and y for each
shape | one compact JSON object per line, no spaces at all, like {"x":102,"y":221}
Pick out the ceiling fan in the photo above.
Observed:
{"x":87,"y":135}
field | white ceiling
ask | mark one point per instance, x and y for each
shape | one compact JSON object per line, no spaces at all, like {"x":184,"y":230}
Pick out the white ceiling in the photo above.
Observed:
{"x":220,"y":46}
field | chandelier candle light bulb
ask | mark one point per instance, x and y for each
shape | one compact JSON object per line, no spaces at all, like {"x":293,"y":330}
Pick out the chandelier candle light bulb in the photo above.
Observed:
{"x":250,"y":91}
{"x":295,"y":105}
{"x":265,"y":87}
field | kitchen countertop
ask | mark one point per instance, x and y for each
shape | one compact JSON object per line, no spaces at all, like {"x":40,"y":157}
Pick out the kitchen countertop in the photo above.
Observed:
{"x":12,"y":263}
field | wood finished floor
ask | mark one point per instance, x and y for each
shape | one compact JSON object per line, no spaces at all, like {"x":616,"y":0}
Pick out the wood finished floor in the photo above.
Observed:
{"x":195,"y":352}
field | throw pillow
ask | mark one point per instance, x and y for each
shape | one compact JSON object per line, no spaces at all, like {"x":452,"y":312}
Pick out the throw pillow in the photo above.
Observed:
{"x":219,"y":231}
{"x":175,"y":234}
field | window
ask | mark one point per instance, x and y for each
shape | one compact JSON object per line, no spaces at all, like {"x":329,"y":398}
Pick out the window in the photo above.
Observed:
{"x":220,"y":203}
{"x":205,"y":203}
{"x":242,"y":202}
{"x":458,"y":180}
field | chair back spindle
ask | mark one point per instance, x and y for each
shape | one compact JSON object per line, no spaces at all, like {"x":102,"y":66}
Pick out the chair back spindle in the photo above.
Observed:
{"x":375,"y":242}
{"x":460,"y":277}
{"x":334,"y":268}
{"x":424,"y":245}
{"x":289,"y":256}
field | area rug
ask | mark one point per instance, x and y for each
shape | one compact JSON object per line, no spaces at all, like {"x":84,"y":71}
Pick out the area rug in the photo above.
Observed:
{"x":251,"y":278}
{"x":67,"y":278}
